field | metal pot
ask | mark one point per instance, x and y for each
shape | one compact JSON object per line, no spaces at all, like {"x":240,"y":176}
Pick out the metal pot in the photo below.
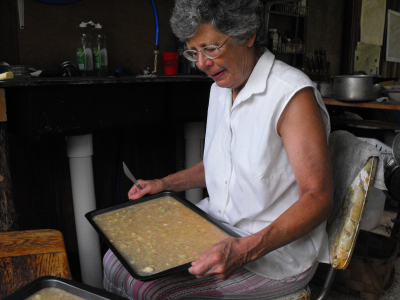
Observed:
{"x":358,"y":88}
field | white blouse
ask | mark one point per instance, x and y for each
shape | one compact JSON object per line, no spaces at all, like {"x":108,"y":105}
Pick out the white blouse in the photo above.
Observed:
{"x":248,"y":175}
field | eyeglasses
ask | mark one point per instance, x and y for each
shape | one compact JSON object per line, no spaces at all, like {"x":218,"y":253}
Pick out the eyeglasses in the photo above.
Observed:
{"x":211,"y":52}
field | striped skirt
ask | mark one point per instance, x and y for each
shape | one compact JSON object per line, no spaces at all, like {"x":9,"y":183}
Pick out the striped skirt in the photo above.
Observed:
{"x":242,"y":285}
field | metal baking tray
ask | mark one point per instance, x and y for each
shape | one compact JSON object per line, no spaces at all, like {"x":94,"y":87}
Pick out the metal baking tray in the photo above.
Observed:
{"x":188,"y":204}
{"x":70,"y":286}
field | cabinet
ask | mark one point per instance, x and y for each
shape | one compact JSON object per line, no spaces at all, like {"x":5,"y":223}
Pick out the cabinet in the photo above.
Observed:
{"x":289,"y":18}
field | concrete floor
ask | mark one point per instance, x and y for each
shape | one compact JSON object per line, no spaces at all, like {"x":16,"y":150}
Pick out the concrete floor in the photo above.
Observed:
{"x":393,"y":293}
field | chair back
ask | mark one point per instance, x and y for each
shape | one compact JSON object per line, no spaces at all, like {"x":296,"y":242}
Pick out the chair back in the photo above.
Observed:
{"x":344,"y":227}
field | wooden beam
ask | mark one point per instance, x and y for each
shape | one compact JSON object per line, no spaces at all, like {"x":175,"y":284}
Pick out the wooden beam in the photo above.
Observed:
{"x":8,"y":216}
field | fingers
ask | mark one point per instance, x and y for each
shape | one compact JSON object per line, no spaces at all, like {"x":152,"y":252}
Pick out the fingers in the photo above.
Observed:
{"x":210,"y":264}
{"x":222,"y":260}
{"x":135,"y":193}
{"x":218,"y":271}
{"x":148,"y":187}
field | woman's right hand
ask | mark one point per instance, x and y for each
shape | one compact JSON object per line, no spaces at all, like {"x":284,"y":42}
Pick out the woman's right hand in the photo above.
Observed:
{"x":181,"y":181}
{"x":148,"y":187}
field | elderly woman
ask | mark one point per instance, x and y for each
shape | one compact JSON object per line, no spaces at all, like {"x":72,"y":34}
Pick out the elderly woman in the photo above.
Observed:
{"x":266,"y":165}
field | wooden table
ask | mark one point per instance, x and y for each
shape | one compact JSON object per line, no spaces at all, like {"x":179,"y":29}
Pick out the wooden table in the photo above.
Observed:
{"x":392,"y":105}
{"x":28,"y":255}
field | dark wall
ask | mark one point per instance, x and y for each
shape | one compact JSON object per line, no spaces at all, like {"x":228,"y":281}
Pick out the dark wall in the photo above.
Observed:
{"x":49,"y":34}
{"x":325,"y":29}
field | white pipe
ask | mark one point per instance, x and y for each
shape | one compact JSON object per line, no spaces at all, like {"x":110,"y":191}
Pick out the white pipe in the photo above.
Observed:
{"x":194,"y":134}
{"x":80,"y":151}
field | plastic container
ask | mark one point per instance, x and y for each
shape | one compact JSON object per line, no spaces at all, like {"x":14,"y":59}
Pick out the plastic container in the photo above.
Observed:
{"x":373,"y":210}
{"x":171,"y":63}
{"x":393,"y":92}
{"x":273,"y":39}
{"x":84,"y":54}
{"x":100,"y":56}
{"x":394,"y":95}
{"x":303,"y":8}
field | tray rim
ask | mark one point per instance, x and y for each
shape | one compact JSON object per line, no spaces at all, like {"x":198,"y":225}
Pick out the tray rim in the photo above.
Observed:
{"x":90,"y":215}
{"x":74,"y":287}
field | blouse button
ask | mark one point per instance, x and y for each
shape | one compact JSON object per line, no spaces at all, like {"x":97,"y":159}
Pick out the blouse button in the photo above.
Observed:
{"x":219,"y":211}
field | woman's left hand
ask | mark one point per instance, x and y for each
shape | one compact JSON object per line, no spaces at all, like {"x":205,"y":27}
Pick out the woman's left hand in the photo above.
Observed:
{"x":222,"y":260}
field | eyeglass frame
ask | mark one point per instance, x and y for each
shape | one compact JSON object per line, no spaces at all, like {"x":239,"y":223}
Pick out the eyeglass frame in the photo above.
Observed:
{"x":191,"y":58}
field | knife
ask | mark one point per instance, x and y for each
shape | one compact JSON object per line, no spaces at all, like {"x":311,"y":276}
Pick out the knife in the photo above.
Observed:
{"x":130,"y":176}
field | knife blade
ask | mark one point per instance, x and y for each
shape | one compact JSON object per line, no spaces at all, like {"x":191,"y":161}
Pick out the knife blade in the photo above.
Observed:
{"x":130,"y":176}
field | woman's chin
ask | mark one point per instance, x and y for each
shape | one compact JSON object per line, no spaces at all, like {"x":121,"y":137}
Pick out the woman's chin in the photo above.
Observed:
{"x":223,"y":83}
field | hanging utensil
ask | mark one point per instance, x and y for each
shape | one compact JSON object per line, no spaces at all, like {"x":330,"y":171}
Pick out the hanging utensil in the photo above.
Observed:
{"x":130,"y":176}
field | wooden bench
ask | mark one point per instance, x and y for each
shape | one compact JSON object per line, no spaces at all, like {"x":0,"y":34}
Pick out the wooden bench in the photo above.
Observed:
{"x":28,"y":255}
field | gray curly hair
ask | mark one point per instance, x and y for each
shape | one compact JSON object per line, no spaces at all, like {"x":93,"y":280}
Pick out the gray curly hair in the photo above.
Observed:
{"x":236,"y":18}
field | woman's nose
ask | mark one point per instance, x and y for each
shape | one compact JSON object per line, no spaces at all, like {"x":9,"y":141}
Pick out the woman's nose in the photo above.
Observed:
{"x":203,"y":61}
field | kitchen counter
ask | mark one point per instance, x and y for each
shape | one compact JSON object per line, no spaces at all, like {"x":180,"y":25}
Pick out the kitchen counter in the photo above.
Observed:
{"x":43,"y":107}
{"x":45,"y":81}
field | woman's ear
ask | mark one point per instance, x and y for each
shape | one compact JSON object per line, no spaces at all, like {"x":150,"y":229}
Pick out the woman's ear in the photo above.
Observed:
{"x":250,"y":41}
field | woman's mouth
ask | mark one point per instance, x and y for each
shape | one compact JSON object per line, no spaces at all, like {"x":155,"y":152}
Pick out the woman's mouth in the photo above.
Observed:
{"x":217,"y":75}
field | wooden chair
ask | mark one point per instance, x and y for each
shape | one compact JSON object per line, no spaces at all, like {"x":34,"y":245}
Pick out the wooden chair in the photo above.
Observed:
{"x":344,"y":227}
{"x":28,"y":255}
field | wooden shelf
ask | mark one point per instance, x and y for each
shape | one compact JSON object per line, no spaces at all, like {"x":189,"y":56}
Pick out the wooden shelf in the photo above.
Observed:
{"x":366,"y":123}
{"x":392,"y":105}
